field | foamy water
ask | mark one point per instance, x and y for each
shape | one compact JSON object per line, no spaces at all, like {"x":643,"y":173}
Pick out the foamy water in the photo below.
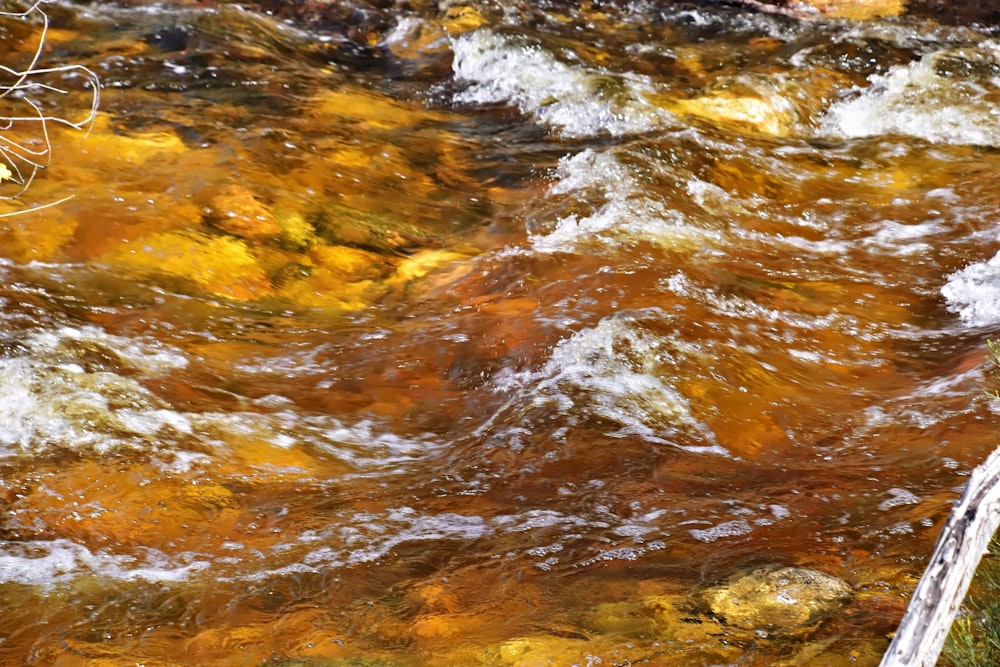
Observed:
{"x":570,"y":98}
{"x":619,"y":372}
{"x":53,"y":396}
{"x":948,"y":96}
{"x":623,"y":212}
{"x":748,"y":329}
{"x":974,"y":293}
{"x":49,"y":563}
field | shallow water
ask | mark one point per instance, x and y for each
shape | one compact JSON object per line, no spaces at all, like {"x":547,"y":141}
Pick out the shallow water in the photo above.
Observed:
{"x":427,"y":335}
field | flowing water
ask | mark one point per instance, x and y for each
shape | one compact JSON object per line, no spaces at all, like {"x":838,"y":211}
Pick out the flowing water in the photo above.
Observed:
{"x":420,"y":334}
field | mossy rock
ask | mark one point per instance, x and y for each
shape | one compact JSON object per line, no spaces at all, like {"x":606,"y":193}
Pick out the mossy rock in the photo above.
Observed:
{"x":376,"y":232}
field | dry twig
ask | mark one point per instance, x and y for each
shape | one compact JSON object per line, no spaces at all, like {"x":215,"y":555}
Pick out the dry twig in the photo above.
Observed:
{"x":25,"y":146}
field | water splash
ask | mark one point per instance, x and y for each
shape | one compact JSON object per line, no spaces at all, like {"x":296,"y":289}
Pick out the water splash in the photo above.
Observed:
{"x":624,"y":214}
{"x":950,"y":96}
{"x":974,"y":293}
{"x":576,"y":101}
{"x":618,"y":372}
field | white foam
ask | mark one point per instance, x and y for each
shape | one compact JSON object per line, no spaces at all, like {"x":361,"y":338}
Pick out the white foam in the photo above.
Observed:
{"x":152,"y":358}
{"x":150,"y":422}
{"x":915,"y":100}
{"x":365,"y":537}
{"x":371,"y":451}
{"x":623,"y":215}
{"x":573,"y":99}
{"x":43,"y":406}
{"x":55,"y":395}
{"x":900,"y":239}
{"x":47,"y":563}
{"x":620,"y":372}
{"x":52,"y":395}
{"x":974,"y":293}
{"x":726,"y":529}
{"x":535,"y":519}
{"x":899,"y":497}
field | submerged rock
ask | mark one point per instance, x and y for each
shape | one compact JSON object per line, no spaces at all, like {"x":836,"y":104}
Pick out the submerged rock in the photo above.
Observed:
{"x":377,"y":232}
{"x":784,"y":599}
{"x":237,"y":211}
{"x":778,"y":104}
{"x":718,"y":622}
{"x":222,"y":265}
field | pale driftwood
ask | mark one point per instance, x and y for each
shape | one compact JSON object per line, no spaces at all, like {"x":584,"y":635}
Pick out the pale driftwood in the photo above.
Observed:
{"x":943,"y":586}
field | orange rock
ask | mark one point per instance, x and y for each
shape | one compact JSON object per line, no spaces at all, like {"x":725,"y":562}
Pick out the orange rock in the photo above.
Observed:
{"x":433,"y":626}
{"x":34,"y":237}
{"x":435,"y":597}
{"x":237,"y":211}
{"x":261,"y":454}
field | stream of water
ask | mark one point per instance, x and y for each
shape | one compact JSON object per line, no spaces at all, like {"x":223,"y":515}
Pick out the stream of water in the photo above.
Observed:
{"x":401,"y":334}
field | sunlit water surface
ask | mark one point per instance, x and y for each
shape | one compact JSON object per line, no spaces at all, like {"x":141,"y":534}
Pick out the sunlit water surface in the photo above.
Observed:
{"x":421,"y":336}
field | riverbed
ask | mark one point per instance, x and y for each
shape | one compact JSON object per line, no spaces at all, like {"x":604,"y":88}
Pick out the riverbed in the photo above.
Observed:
{"x":455,"y":334}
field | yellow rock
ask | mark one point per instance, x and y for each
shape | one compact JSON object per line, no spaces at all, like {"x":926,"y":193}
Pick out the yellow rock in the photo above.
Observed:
{"x":370,"y":109}
{"x":262,"y":454}
{"x":296,"y":232}
{"x":349,"y":263}
{"x":774,"y":104}
{"x":221,"y":265}
{"x":338,"y":277}
{"x":105,"y":143}
{"x":749,"y":112}
{"x":785,"y":599}
{"x":460,"y":19}
{"x":325,"y":289}
{"x":541,"y":651}
{"x":421,"y":263}
{"x":858,"y":9}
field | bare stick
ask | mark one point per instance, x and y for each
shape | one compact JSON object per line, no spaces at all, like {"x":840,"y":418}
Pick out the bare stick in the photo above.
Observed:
{"x":19,"y":131}
{"x":946,"y":580}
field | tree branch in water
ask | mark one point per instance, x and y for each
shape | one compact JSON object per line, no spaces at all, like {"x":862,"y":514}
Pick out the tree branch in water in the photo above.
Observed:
{"x":25,"y":144}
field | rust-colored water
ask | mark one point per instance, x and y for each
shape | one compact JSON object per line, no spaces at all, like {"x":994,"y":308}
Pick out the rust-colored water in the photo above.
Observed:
{"x":442,"y":335}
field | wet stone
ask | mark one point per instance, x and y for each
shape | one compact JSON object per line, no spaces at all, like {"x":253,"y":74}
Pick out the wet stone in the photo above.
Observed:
{"x":784,"y":599}
{"x":235,"y":210}
{"x":377,"y":232}
{"x":764,"y":603}
{"x":775,"y":105}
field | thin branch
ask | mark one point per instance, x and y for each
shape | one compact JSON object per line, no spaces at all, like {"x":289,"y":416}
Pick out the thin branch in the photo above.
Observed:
{"x":19,"y":132}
